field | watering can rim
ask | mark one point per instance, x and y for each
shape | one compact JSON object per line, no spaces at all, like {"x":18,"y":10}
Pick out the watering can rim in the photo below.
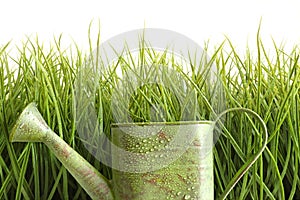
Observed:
{"x":129,"y":124}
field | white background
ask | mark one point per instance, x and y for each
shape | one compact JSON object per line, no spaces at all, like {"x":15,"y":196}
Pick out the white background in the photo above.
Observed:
{"x":199,"y":20}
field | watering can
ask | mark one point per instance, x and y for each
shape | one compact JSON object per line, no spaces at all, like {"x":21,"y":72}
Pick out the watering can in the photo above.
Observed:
{"x":188,"y":177}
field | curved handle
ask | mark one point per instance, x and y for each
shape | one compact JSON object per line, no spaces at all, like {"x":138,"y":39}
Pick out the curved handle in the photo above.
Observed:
{"x":250,"y":162}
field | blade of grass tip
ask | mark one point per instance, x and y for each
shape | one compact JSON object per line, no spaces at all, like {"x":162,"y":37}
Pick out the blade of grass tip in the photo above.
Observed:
{"x":92,"y":56}
{"x":90,"y":38}
{"x":239,"y":64}
{"x":258,"y":70}
{"x":53,"y":95}
{"x":4,"y":47}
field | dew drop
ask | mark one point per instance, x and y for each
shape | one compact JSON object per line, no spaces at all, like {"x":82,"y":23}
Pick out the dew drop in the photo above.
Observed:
{"x":21,"y":126}
{"x":187,"y":196}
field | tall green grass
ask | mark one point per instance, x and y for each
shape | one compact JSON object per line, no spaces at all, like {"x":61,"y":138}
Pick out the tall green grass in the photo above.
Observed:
{"x":266,"y":84}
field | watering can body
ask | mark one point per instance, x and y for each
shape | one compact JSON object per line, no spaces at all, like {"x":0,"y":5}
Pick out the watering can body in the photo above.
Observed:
{"x":158,"y":167}
{"x":154,"y":169}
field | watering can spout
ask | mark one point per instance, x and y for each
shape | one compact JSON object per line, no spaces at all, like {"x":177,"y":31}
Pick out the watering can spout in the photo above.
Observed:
{"x":31,"y":127}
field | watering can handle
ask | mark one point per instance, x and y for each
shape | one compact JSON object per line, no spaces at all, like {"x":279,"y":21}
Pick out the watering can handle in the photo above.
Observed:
{"x":253,"y":159}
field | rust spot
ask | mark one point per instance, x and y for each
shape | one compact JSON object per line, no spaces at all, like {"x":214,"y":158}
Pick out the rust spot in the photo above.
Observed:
{"x":103,"y":189}
{"x":152,"y":181}
{"x":65,"y":152}
{"x":162,"y":135}
{"x":197,"y":143}
{"x":181,"y":178}
{"x":88,"y":173}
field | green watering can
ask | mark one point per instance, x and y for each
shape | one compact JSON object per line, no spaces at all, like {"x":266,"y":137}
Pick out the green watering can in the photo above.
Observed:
{"x":189,"y":176}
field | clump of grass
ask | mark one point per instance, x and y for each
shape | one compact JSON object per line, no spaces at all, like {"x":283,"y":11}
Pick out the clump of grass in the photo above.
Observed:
{"x":269,"y":86}
{"x":45,"y":77}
